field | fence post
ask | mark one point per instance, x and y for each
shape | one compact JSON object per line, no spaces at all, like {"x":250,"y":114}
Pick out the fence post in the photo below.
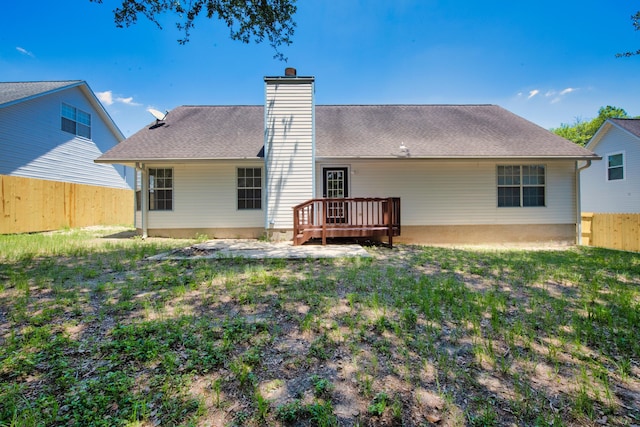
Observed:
{"x":587,"y":229}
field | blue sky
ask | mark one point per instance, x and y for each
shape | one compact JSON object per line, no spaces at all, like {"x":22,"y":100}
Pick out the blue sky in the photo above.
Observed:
{"x":549,"y":62}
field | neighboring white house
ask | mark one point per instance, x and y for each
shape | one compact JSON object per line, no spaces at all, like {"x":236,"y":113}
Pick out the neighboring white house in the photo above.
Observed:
{"x":613,"y":185}
{"x":53,"y":130}
{"x":50,"y":134}
{"x":464,"y":173}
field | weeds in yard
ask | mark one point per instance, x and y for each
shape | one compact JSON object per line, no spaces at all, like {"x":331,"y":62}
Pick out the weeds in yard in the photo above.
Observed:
{"x":92,"y":332}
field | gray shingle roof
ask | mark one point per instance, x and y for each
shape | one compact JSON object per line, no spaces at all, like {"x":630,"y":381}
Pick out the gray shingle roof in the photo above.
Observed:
{"x":196,"y":132}
{"x":448,"y":131}
{"x":11,"y":92}
{"x":342,"y":131}
{"x":630,"y":125}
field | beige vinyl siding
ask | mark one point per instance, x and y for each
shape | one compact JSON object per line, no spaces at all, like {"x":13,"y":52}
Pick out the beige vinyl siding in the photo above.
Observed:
{"x":436,"y":192}
{"x":289,"y":149}
{"x":618,"y":196}
{"x":204,"y":196}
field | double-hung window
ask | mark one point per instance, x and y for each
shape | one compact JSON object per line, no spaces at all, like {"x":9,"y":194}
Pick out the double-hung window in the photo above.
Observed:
{"x":76,"y":121}
{"x":249,"y":188}
{"x":615,"y":166}
{"x":521,"y":185}
{"x":160,"y":189}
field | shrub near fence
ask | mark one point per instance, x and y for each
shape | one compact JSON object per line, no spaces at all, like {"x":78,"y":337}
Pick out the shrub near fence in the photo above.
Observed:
{"x":29,"y":205}
{"x":612,"y":230}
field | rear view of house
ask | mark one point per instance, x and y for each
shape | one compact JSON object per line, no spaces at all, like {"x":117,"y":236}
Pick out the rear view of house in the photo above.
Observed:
{"x":434,"y":173}
{"x":50,"y":133}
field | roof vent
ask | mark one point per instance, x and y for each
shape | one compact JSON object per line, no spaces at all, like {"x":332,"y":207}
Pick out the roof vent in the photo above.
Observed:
{"x":290,"y":72}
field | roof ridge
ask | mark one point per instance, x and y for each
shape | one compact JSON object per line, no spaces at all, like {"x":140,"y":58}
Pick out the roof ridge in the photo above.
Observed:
{"x":341,"y":105}
{"x":408,"y":105}
{"x":45,"y":81}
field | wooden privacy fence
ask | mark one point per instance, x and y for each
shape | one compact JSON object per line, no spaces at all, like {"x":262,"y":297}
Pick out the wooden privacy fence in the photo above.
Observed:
{"x":29,"y":205}
{"x":611,"y":230}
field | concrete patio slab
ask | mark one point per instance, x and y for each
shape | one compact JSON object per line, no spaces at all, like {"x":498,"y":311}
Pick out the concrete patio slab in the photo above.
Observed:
{"x":255,"y":249}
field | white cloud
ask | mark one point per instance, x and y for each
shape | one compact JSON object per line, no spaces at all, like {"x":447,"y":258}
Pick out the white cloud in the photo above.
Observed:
{"x":25,"y":52}
{"x":105,"y":97}
{"x":553,"y":95}
{"x":562,"y":93}
{"x":128,"y":101}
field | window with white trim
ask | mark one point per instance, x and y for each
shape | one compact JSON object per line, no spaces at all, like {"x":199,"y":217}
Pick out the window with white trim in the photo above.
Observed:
{"x":615,"y":166}
{"x":76,"y":121}
{"x":160,"y":189}
{"x":249,"y":188}
{"x":521,"y":185}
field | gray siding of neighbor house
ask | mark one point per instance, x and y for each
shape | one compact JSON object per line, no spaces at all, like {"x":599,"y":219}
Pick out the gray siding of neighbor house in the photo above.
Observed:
{"x":289,"y":148}
{"x":618,"y":196}
{"x":33,"y":145}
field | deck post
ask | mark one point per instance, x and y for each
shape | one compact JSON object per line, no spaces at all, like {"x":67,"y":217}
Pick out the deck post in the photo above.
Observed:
{"x":324,"y":222}
{"x":295,"y":226}
{"x":390,"y":221}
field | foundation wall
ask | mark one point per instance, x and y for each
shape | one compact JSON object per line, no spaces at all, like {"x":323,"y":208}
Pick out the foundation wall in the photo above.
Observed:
{"x":417,"y":234}
{"x":212,"y":233}
{"x":488,"y":234}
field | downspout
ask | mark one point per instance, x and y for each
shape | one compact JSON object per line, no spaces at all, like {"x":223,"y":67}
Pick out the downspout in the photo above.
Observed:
{"x":578,"y":202}
{"x":144,"y":203}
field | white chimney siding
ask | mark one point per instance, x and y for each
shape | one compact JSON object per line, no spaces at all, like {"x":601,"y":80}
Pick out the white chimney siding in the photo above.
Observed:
{"x":289,"y":147}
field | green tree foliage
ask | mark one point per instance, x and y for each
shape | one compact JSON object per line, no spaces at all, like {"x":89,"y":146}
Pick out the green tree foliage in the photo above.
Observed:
{"x":635,"y":19}
{"x":582,"y":131}
{"x":248,"y":20}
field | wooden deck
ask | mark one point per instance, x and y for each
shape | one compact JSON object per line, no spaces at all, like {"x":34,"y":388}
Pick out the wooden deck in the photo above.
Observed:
{"x":348,"y":217}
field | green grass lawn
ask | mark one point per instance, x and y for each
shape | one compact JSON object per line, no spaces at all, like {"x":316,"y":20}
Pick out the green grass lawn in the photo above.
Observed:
{"x":93,"y":333}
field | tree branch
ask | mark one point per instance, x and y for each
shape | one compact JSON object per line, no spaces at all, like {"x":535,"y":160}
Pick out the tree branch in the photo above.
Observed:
{"x":247,"y":20}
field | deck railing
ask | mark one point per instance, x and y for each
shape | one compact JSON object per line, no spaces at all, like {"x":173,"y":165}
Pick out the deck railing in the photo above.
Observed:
{"x":346,"y":217}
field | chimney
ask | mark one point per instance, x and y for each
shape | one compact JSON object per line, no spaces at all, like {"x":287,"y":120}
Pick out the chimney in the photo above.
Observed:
{"x":288,"y":147}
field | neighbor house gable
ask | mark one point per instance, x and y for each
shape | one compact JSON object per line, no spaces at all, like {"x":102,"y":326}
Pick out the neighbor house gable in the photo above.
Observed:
{"x":16,"y":92}
{"x":38,"y":141}
{"x":611,"y":185}
{"x":629,"y":126}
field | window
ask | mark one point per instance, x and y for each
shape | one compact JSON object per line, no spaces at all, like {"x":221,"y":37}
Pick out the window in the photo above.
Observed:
{"x":615,"y":166}
{"x":521,"y":186}
{"x":160,"y":189}
{"x":76,"y":121}
{"x":249,"y":188}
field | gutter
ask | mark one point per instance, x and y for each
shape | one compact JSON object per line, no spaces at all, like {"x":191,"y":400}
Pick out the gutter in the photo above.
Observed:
{"x":460,"y":158}
{"x":578,"y":202}
{"x":128,"y":162}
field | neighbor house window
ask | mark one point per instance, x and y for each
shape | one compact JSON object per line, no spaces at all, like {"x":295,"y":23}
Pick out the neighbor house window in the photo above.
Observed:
{"x":160,"y":189}
{"x":76,"y":121}
{"x":249,"y":188}
{"x":615,"y":166}
{"x":521,"y":186}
